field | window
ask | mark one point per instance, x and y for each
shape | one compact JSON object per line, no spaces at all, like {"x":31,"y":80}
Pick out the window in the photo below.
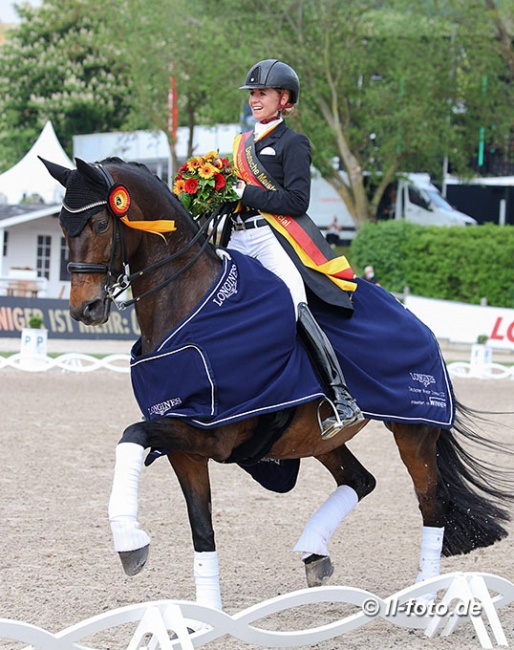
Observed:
{"x":65,"y":257}
{"x":44,"y":247}
{"x":6,"y":239}
{"x":416,"y":197}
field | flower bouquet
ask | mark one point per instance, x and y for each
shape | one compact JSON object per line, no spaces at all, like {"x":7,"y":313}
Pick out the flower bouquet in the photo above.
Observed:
{"x":205,"y":182}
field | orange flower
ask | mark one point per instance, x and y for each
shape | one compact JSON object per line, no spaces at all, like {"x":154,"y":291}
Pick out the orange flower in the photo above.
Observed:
{"x":194,"y":163}
{"x":205,"y":182}
{"x":207,"y":171}
{"x":179,"y":186}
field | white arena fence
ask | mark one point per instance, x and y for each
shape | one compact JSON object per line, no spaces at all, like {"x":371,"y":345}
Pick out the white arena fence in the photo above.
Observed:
{"x":467,"y":599}
{"x":77,"y":362}
{"x":71,"y":361}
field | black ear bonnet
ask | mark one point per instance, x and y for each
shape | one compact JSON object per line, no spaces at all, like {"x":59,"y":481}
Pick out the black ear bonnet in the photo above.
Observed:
{"x":89,"y":189}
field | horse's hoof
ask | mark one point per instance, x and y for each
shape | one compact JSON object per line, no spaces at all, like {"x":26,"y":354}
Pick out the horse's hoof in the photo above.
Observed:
{"x":134,"y":561}
{"x":318,"y":570}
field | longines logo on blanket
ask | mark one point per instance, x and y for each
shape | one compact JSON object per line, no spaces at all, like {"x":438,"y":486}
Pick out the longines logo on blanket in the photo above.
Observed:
{"x":426,"y":380}
{"x":228,"y":288}
{"x":163,"y":407}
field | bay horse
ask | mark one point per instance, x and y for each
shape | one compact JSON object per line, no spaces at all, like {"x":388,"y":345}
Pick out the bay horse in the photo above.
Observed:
{"x":124,"y":228}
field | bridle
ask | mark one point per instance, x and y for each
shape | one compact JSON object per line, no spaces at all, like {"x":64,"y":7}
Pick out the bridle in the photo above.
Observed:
{"x":119,"y":281}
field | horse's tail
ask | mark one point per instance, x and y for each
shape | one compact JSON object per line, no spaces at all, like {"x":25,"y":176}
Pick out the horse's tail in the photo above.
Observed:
{"x":478,"y":491}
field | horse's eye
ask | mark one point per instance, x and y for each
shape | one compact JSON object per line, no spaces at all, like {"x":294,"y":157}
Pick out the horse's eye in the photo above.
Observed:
{"x":100,"y":225}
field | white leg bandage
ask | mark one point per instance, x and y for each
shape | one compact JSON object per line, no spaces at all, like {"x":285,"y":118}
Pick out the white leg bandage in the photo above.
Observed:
{"x":431,"y":547}
{"x":322,"y":524}
{"x":207,"y":579}
{"x":123,"y":503}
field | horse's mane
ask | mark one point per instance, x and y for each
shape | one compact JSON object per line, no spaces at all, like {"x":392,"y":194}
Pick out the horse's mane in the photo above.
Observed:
{"x":114,"y":160}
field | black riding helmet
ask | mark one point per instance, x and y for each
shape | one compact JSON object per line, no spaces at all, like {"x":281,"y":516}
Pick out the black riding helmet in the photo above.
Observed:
{"x":272,"y":73}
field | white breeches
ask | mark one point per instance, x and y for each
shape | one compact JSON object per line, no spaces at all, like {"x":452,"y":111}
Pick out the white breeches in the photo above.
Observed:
{"x":262,"y":244}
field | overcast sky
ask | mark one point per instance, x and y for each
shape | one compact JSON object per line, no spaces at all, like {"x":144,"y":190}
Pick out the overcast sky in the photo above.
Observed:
{"x":7,"y":13}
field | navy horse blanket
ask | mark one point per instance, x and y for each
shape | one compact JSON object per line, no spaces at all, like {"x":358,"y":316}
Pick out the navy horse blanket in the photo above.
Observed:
{"x":236,"y":355}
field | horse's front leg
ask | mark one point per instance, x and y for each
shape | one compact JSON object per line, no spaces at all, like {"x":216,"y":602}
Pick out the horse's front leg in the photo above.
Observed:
{"x":417,"y":445}
{"x":131,"y":542}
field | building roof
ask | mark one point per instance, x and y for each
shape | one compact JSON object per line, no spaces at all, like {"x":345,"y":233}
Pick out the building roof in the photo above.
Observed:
{"x":151,"y":146}
{"x":13,"y":215}
{"x":29,"y":176}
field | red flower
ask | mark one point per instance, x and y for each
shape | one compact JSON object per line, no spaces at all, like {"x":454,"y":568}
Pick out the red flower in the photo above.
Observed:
{"x":191,"y":186}
{"x":219,"y":182}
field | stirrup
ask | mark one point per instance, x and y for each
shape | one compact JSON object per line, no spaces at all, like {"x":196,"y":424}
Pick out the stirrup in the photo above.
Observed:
{"x":332,"y":425}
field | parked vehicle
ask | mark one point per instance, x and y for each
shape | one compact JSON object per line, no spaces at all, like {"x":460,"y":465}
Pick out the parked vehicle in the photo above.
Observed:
{"x":416,"y":199}
{"x":412,"y":197}
{"x":325,"y":205}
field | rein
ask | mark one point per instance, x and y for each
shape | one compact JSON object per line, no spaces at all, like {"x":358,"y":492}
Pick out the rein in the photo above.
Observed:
{"x":124,"y":280}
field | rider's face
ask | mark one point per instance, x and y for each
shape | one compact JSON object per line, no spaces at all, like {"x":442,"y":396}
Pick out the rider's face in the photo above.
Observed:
{"x":264,"y":103}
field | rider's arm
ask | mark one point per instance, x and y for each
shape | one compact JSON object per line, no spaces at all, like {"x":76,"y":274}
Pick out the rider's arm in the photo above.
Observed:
{"x":291,"y":168}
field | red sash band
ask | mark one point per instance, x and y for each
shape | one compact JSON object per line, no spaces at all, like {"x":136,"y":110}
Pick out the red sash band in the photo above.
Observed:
{"x":251,"y":171}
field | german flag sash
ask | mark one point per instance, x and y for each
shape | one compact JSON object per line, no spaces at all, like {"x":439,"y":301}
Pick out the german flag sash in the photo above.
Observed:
{"x":297,"y":231}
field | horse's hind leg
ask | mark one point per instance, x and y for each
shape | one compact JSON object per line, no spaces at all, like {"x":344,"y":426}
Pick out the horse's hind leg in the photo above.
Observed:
{"x":354,"y":483}
{"x":193,"y":476}
{"x":417,"y":445}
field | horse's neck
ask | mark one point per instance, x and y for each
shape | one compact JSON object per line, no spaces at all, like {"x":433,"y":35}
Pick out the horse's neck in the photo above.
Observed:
{"x":160,"y":311}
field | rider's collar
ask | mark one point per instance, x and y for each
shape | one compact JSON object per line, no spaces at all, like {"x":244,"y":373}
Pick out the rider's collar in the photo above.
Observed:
{"x":260,"y":130}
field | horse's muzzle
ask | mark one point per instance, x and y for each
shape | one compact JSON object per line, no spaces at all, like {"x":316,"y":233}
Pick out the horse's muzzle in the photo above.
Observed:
{"x":94,"y":312}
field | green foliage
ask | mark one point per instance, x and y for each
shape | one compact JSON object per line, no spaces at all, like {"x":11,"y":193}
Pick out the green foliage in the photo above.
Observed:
{"x":189,"y":42}
{"x":462,"y":264}
{"x":389,"y":87}
{"x":385,"y":87}
{"x":63,"y":63}
{"x":36,"y":322}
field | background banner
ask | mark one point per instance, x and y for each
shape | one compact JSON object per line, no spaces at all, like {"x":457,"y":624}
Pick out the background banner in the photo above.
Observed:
{"x":16,"y":312}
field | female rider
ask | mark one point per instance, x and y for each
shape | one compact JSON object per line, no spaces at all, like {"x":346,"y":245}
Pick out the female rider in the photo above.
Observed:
{"x":274,"y":163}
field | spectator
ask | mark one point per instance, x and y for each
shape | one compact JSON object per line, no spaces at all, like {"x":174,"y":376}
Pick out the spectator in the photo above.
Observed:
{"x":333,"y":231}
{"x":369,"y":275}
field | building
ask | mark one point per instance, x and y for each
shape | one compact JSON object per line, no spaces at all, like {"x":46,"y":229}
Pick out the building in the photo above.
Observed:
{"x":34,"y":252}
{"x":33,"y":260}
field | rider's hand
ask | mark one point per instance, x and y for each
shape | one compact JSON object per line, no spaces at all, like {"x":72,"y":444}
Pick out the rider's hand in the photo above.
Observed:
{"x":239,"y":188}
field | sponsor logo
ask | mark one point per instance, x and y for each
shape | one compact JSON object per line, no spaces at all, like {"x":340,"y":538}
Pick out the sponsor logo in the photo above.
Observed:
{"x":228,"y":288}
{"x":164,"y":407}
{"x":426,"y":380}
{"x":437,"y":401}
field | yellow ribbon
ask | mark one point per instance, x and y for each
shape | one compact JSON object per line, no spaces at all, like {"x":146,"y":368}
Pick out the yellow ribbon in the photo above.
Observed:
{"x":156,"y":227}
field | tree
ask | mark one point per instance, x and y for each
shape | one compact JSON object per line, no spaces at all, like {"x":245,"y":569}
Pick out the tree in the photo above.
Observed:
{"x":388,"y":87}
{"x":61,"y":63}
{"x":193,"y":44}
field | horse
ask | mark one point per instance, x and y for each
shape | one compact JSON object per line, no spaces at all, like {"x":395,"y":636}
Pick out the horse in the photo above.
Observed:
{"x":125,"y":229}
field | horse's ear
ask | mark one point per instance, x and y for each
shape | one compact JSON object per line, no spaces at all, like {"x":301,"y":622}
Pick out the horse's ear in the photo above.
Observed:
{"x":60,"y":173}
{"x":93,"y":173}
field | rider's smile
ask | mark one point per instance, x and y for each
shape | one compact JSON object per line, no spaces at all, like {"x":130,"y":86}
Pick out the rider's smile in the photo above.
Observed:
{"x":264,"y":103}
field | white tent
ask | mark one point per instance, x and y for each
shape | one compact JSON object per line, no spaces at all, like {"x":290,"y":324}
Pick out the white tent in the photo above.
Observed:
{"x":30,"y":177}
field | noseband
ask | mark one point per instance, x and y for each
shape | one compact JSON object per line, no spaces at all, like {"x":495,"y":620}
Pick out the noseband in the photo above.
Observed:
{"x":118,"y":282}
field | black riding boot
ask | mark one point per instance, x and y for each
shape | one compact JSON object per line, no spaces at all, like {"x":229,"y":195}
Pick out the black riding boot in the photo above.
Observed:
{"x":322,"y":355}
